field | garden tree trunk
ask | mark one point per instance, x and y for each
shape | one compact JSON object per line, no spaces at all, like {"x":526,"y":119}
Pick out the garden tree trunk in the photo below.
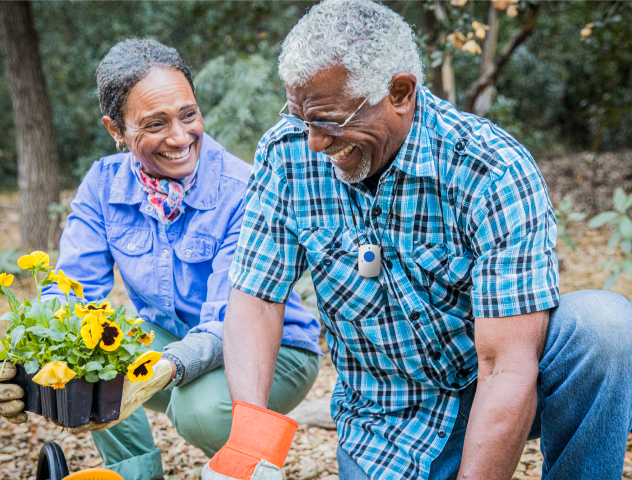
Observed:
{"x":488,"y":79}
{"x":443,"y":85}
{"x":38,"y":160}
{"x":486,"y":97}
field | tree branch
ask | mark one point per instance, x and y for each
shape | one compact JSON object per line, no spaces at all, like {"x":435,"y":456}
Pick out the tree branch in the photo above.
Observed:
{"x":490,"y":77}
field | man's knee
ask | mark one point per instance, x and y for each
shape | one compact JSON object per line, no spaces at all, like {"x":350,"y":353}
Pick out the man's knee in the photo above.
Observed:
{"x":203,"y":421}
{"x":597,"y":323}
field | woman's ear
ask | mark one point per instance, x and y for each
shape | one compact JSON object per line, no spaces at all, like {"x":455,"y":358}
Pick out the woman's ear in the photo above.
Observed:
{"x":113,"y":129}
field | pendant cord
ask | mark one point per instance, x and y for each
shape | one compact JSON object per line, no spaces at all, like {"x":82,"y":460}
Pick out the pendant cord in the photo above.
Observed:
{"x":388,"y":217}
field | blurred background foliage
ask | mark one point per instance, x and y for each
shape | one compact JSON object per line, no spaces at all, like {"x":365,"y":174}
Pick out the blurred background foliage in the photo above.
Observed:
{"x":559,"y":92}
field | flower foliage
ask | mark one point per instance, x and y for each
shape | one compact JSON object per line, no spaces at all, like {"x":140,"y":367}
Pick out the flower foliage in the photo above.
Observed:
{"x":65,"y":339}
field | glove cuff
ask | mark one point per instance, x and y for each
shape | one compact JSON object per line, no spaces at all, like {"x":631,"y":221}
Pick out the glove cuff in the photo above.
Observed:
{"x":261,"y":433}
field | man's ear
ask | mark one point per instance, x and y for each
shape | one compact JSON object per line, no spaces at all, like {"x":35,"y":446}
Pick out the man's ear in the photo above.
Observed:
{"x":113,"y":129}
{"x":402,"y":92}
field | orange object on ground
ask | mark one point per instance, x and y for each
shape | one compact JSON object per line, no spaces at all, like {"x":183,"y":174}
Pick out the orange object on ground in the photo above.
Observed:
{"x":94,"y":474}
{"x":256,"y":434}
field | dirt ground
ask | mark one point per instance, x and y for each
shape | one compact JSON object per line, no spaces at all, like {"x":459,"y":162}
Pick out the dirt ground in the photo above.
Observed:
{"x":589,"y":179}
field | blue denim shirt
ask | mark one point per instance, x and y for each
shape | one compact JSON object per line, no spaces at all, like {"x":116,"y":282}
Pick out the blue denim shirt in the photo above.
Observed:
{"x":177,"y":277}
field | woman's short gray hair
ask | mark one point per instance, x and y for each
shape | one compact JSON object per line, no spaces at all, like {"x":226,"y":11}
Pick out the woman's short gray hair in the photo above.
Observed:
{"x":370,"y":40}
{"x":126,"y":64}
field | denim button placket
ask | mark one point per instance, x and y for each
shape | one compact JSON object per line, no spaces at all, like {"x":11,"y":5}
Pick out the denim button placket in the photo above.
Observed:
{"x":149,"y":208}
{"x":165,"y":253}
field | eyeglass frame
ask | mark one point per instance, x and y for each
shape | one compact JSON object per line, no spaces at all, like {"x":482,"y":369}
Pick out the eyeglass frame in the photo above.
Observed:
{"x":294,"y":119}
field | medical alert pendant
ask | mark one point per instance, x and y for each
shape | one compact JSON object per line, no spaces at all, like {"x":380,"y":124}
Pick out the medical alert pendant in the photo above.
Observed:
{"x":369,"y":260}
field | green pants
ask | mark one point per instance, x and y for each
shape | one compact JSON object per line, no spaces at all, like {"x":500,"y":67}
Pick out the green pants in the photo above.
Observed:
{"x":201,"y":412}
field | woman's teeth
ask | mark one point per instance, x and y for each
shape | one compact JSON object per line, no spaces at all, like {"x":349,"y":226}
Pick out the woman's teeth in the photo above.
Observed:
{"x":176,"y":155}
{"x":342,"y":153}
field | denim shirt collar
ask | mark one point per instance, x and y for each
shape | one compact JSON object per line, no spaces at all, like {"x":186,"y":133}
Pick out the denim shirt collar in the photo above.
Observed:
{"x":126,"y":190}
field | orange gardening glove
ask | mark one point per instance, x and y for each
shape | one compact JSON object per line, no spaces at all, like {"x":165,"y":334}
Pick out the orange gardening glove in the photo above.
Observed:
{"x":260,"y":440}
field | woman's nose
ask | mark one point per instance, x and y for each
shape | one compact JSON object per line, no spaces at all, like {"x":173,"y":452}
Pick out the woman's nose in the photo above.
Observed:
{"x":177,"y":135}
{"x":318,"y":141}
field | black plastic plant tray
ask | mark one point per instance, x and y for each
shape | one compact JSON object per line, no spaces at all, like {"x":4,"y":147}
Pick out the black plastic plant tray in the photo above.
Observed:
{"x":32,"y":398}
{"x":49,"y":402}
{"x":106,"y":401}
{"x":74,"y":403}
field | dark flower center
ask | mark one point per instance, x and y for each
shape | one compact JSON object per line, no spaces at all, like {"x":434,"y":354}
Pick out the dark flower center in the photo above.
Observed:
{"x":141,"y":369}
{"x":110,"y":334}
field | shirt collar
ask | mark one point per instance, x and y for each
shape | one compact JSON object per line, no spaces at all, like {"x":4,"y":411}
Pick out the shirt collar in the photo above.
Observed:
{"x":415,"y":156}
{"x":204,"y":194}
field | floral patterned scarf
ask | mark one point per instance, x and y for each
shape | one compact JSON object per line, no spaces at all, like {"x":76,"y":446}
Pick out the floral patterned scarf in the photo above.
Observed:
{"x":164,"y":194}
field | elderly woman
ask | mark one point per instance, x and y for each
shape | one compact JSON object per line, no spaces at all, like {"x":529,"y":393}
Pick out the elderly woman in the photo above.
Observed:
{"x":168,"y":214}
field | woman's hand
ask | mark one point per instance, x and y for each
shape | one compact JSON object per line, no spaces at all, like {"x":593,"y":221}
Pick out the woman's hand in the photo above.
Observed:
{"x":11,"y":405}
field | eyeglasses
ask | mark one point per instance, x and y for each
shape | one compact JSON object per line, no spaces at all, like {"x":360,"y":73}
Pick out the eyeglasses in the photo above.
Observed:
{"x":331,"y":128}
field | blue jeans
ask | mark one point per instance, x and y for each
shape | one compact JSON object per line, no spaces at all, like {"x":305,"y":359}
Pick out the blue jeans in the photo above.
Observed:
{"x":584,"y":387}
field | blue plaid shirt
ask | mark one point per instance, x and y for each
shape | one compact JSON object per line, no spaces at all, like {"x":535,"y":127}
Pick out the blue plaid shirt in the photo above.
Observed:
{"x":472,"y":234}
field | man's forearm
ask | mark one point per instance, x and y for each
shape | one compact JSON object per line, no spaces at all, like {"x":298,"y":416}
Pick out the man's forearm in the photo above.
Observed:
{"x":501,"y":417}
{"x":252,"y":334}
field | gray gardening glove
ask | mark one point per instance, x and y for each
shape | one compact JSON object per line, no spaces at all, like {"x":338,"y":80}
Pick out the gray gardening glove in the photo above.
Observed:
{"x":11,"y":407}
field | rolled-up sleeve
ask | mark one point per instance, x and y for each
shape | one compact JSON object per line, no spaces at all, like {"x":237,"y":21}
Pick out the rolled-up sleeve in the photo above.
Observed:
{"x":513,"y":235}
{"x":269,"y":259}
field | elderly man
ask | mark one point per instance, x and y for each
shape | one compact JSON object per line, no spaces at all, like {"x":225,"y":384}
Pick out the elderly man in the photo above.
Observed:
{"x":431,"y":241}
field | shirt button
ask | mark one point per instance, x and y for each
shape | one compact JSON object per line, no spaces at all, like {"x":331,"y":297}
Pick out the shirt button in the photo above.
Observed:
{"x":441,"y":434}
{"x":388,"y":263}
{"x":149,"y":208}
{"x":435,"y":354}
{"x":166,"y":303}
{"x":414,"y":315}
{"x":377,"y":211}
{"x":165,"y":253}
{"x":327,"y":262}
{"x":463,"y":373}
{"x":187,"y":253}
{"x":460,"y":146}
{"x":131,"y":246}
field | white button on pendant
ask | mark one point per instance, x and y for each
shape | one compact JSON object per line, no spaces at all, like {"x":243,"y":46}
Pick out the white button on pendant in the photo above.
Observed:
{"x":187,"y":253}
{"x":131,"y":246}
{"x":149,"y":208}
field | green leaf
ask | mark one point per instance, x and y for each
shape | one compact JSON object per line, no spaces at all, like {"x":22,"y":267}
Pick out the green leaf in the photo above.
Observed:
{"x":626,"y":247}
{"x":628,"y":203}
{"x":16,"y":334}
{"x":569,"y":241}
{"x":11,"y":317}
{"x":130,"y":348}
{"x":103,"y":375}
{"x":57,"y":325}
{"x":108,"y":368}
{"x":611,"y":280}
{"x":615,"y":238}
{"x":14,"y":305}
{"x":576,"y":217}
{"x":80,"y":353}
{"x":99,"y":358}
{"x":93,"y":366}
{"x":627,"y":267}
{"x":625,"y":226}
{"x":38,"y":312}
{"x":92,"y":377}
{"x":607,"y":264}
{"x":32,"y":366}
{"x":602,"y":219}
{"x":620,"y":199}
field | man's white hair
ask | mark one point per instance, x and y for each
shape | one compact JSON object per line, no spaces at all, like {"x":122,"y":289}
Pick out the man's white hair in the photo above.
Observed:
{"x":370,"y":40}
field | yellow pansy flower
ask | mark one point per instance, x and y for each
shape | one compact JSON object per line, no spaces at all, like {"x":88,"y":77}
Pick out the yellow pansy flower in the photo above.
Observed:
{"x":111,"y":336}
{"x":35,"y":261}
{"x":91,"y":330}
{"x":66,"y":284}
{"x":6,"y":280}
{"x":104,"y":309}
{"x":142,"y":368}
{"x":146,"y":338}
{"x":54,"y":374}
{"x":61,"y":313}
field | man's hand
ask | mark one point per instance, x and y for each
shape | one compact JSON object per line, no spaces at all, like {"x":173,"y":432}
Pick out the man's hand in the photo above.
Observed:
{"x":509,"y":351}
{"x":11,"y":405}
{"x":134,"y":395}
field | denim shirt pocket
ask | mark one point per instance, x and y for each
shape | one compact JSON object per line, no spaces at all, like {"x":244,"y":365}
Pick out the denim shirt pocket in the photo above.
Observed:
{"x":195,"y":249}
{"x":132,"y":251}
{"x":196,"y":254}
{"x":129,"y":241}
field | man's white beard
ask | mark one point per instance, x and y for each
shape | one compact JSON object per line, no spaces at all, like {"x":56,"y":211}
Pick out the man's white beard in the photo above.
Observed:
{"x":358,"y":175}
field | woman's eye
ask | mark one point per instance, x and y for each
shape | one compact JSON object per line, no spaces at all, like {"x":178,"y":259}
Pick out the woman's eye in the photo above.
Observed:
{"x":154,"y":125}
{"x":190,"y":115}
